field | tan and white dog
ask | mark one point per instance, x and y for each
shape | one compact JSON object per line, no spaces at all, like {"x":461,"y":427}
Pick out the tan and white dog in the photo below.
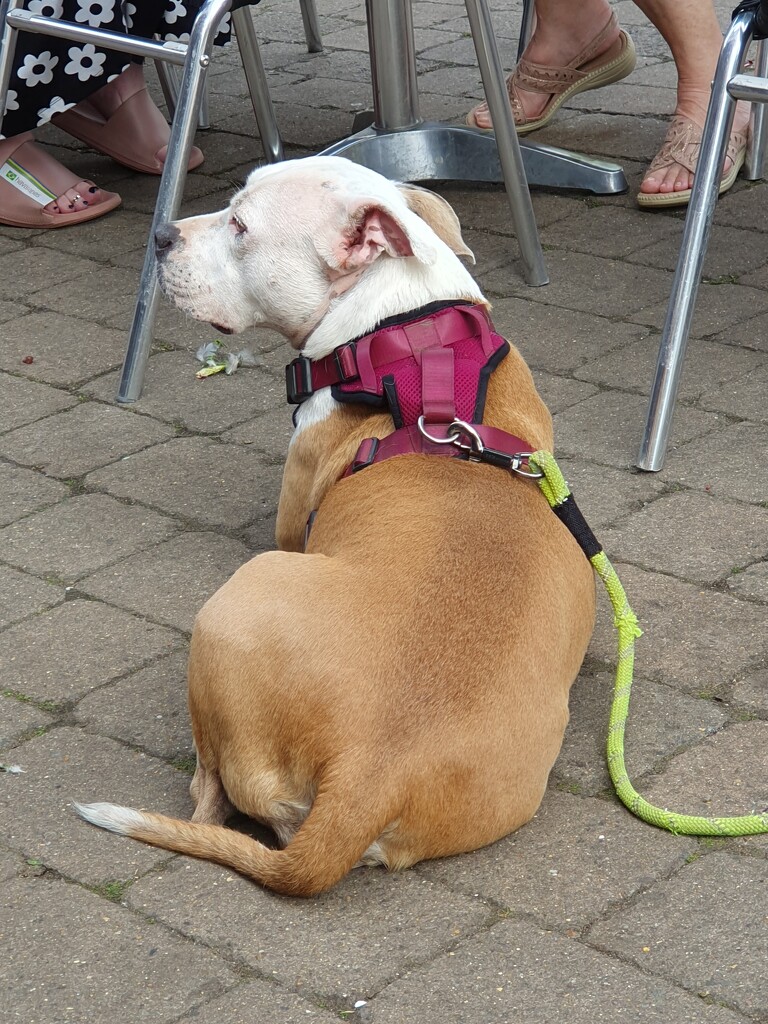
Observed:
{"x":399,"y":691}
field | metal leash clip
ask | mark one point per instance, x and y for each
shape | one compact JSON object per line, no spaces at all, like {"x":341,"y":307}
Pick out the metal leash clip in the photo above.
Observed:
{"x":477,"y":451}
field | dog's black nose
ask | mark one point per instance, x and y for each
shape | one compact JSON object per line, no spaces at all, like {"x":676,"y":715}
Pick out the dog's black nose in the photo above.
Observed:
{"x":165,"y":236}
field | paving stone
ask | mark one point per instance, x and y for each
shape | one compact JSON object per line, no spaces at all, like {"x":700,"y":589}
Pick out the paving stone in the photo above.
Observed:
{"x":609,"y":233}
{"x":23,"y":491}
{"x":325,"y":92}
{"x":22,"y":401}
{"x":713,"y":943}
{"x":147,"y":709}
{"x":752,"y":583}
{"x":605,"y":494}
{"x":86,"y":437}
{"x":11,"y":310}
{"x":609,"y":426}
{"x":743,"y":397}
{"x":730,"y":253}
{"x":22,"y":595}
{"x":170,"y":582}
{"x":273,"y":1005}
{"x":67,"y":764}
{"x":77,"y":647}
{"x":709,"y":366}
{"x":726,"y":463}
{"x":220,"y":485}
{"x":269,"y":434}
{"x":577,"y":857}
{"x":752,"y":691}
{"x":485,"y":207}
{"x":10,"y":865}
{"x":17,"y":718}
{"x":173,"y":393}
{"x":516,"y":972}
{"x":102,"y":242}
{"x":260,"y":536}
{"x":728,"y":536}
{"x":719,"y":307}
{"x":65,"y":350}
{"x":30,"y":268}
{"x":559,"y":393}
{"x":80,"y":535}
{"x":112,"y":967}
{"x":694,"y":639}
{"x":342,"y":945}
{"x":583,"y":282}
{"x":660,"y":722}
{"x":116,"y":294}
{"x":723,"y":776}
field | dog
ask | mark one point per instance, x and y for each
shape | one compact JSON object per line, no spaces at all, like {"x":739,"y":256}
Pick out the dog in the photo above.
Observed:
{"x":397,"y":689}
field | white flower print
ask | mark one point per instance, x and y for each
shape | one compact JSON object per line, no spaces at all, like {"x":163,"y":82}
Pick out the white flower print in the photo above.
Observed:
{"x":225,"y":25}
{"x":174,"y":12}
{"x":95,"y":12}
{"x":11,"y":100}
{"x":56,"y":106}
{"x":46,"y":8}
{"x":38,"y":69}
{"x":128,"y":12}
{"x":85,"y":62}
{"x":169,"y":37}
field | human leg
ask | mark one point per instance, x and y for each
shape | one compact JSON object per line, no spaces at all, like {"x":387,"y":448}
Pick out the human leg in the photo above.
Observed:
{"x":691,"y":30}
{"x":566,"y":55}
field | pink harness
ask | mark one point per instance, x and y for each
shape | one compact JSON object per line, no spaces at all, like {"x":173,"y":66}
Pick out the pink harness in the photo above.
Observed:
{"x":431,"y":372}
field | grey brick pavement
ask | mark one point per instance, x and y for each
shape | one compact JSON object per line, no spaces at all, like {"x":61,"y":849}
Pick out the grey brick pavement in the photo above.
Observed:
{"x":117,"y":523}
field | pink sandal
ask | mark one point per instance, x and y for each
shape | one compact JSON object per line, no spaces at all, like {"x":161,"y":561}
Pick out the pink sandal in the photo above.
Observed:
{"x":135,"y":135}
{"x":36,"y":191}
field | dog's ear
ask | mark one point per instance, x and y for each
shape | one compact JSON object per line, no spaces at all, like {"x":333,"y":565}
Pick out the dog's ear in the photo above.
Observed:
{"x":440,"y":216}
{"x":372,"y":227}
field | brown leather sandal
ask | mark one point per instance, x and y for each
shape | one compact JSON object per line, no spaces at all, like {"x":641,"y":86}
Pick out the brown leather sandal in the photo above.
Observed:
{"x":584,"y":72}
{"x":681,"y":146}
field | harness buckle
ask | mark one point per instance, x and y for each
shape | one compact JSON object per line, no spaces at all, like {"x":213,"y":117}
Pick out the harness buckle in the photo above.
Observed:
{"x":298,"y":380}
{"x":345,"y":360}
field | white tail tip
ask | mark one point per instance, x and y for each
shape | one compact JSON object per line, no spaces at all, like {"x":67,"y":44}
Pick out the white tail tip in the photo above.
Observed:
{"x":123,"y":820}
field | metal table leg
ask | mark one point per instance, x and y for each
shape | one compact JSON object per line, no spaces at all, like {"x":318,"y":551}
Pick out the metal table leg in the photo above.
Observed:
{"x":693,"y":248}
{"x":400,"y":145}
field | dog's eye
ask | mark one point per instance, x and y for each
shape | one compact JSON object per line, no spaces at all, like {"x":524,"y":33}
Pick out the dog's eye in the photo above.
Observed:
{"x":237,"y":224}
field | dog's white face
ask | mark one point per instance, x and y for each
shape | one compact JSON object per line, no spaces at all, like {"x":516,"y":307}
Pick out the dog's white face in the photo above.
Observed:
{"x":297,"y":236}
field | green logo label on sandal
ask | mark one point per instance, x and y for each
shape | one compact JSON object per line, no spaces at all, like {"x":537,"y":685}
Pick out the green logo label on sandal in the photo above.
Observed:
{"x":25,"y":182}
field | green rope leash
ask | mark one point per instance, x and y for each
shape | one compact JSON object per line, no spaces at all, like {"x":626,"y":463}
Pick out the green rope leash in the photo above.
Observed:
{"x":556,"y":492}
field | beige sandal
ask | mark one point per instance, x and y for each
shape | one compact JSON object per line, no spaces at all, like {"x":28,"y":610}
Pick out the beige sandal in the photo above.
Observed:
{"x":584,"y":72}
{"x":681,"y":146}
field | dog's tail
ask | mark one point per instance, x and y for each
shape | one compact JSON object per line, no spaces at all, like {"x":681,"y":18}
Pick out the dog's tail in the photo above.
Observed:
{"x":325,"y":848}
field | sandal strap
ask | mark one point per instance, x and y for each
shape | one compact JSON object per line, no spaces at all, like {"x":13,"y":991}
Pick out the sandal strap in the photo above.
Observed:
{"x":554,"y":80}
{"x":682,"y":144}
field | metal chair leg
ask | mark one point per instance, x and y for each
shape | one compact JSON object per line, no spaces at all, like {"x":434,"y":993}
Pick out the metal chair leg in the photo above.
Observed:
{"x":170,"y":192}
{"x":510,"y":157}
{"x":256,"y":78}
{"x":8,"y":37}
{"x":311,"y":26}
{"x":169,"y":79}
{"x":693,"y":249}
{"x":754,"y":165}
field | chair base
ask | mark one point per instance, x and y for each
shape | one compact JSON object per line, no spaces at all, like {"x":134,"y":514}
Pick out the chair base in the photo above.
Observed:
{"x":430,"y":151}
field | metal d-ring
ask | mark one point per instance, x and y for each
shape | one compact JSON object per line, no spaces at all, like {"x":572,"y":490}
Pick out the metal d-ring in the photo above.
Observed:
{"x":454,"y":430}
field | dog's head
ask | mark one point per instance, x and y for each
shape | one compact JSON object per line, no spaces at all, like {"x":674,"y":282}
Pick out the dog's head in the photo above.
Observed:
{"x":299,"y":235}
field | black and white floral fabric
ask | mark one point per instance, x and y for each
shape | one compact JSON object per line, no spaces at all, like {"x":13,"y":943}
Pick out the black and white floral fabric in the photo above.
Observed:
{"x":50,"y":75}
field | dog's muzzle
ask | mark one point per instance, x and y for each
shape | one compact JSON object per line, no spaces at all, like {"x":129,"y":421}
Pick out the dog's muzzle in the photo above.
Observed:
{"x":166,"y":237}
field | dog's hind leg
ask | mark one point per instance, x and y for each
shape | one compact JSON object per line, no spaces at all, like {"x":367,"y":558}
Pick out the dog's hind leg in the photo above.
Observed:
{"x":346,"y":818}
{"x":212,"y":805}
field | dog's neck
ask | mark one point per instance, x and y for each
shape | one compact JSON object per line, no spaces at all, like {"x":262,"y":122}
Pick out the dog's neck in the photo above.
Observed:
{"x":387,"y":289}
